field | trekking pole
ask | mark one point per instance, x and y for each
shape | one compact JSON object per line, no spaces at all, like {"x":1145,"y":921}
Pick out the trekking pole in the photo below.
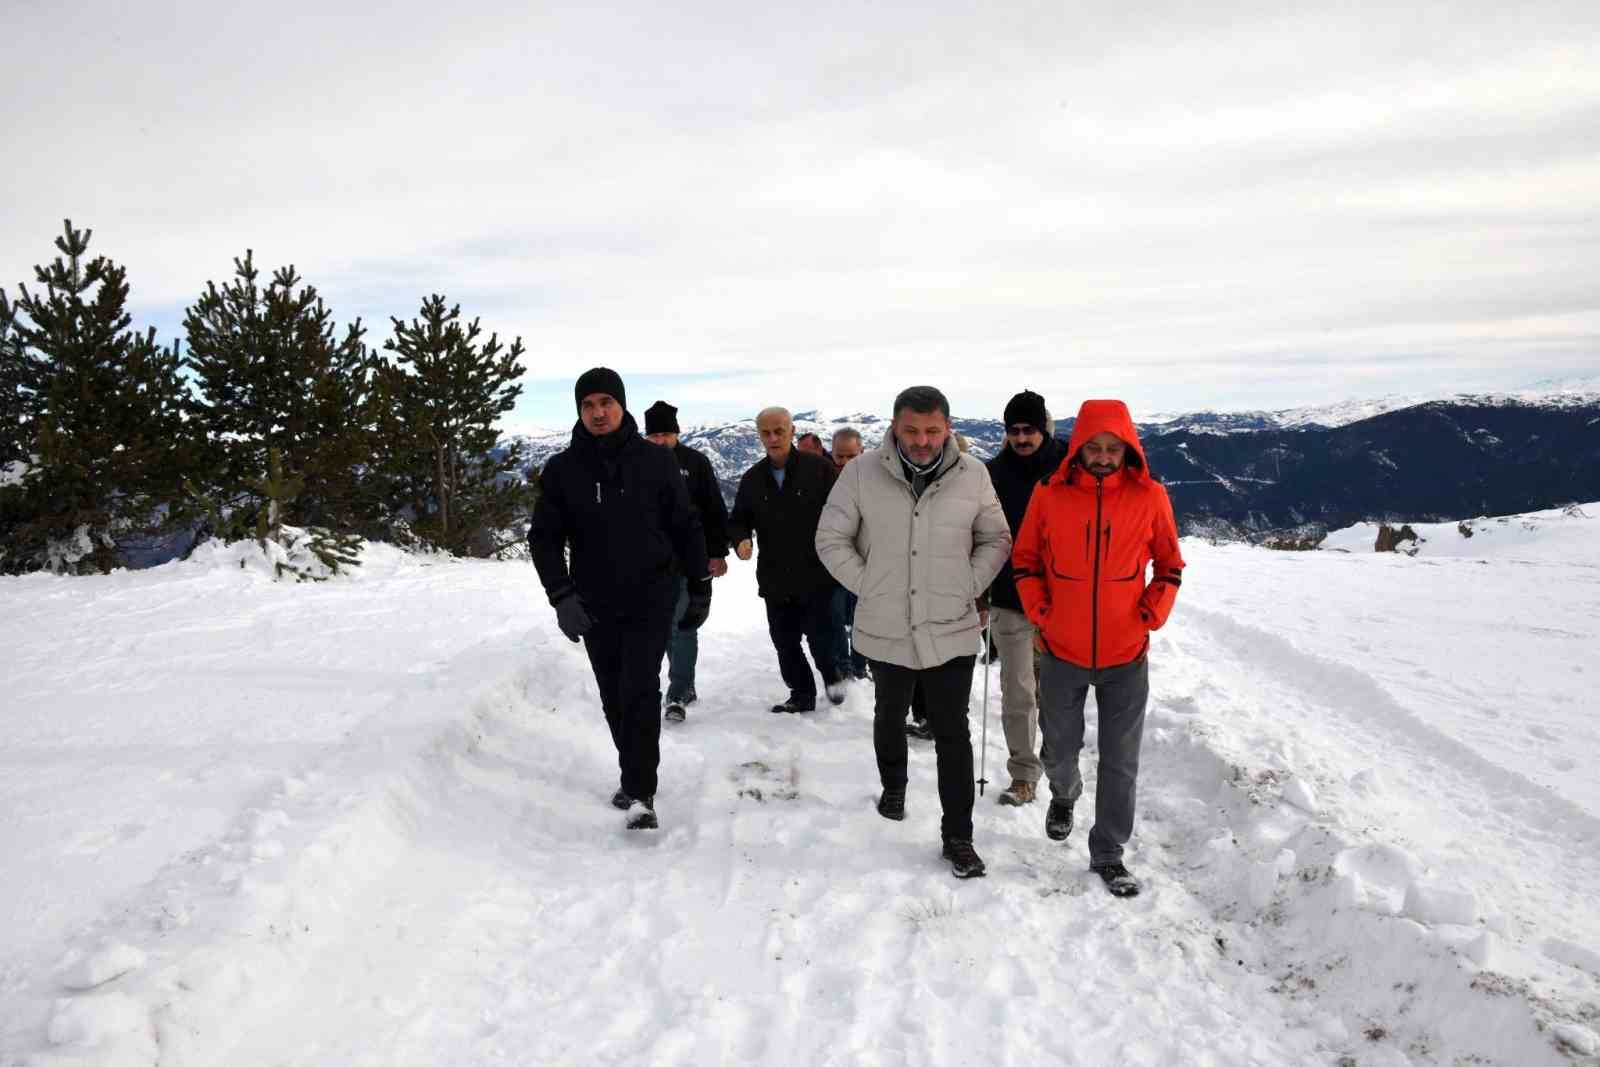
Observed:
{"x":983,"y":746}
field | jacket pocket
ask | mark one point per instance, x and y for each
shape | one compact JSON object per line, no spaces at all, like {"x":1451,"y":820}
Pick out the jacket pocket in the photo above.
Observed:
{"x":882,"y":620}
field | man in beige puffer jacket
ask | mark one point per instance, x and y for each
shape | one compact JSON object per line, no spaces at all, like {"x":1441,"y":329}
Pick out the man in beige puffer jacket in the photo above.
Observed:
{"x":915,"y":530}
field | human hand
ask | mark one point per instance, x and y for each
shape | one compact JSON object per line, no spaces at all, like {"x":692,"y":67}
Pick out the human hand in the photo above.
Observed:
{"x":717,"y":567}
{"x":572,"y":618}
{"x":743,"y":549}
{"x":695,"y":615}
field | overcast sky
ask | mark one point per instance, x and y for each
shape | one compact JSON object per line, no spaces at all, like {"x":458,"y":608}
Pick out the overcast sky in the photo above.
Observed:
{"x":1187,"y":205}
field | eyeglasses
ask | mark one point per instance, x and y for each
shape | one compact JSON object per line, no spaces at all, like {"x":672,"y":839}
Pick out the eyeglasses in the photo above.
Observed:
{"x":1022,"y":430}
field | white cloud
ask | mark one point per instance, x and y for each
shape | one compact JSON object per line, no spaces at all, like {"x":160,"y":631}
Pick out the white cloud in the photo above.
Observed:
{"x":1235,"y":204}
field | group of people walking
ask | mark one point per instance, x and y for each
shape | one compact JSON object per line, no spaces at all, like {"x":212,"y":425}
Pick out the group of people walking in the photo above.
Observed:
{"x":897,"y":564}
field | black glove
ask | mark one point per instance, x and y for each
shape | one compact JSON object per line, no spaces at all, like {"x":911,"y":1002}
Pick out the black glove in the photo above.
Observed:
{"x":694,"y":616}
{"x":572,"y":618}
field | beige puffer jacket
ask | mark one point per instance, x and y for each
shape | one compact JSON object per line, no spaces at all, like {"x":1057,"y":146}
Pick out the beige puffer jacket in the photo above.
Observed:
{"x":915,"y":565}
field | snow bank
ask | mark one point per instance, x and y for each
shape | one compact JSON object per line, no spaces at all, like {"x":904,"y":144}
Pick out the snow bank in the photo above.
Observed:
{"x":366,"y":822}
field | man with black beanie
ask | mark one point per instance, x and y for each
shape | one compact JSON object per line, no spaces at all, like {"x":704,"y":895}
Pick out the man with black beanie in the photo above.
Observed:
{"x":1031,"y":453}
{"x":619,"y":504}
{"x":683,"y":647}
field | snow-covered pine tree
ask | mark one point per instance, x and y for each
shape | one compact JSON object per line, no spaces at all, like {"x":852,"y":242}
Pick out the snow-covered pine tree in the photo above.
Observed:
{"x":109,"y":447}
{"x":444,"y":392}
{"x":270,"y":373}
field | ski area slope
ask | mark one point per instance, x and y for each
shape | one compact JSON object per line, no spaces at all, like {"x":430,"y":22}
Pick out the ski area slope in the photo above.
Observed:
{"x":365,"y":822}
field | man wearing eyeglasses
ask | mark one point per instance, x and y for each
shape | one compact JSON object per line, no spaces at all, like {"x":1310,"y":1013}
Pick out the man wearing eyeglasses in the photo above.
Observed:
{"x":1031,"y":452}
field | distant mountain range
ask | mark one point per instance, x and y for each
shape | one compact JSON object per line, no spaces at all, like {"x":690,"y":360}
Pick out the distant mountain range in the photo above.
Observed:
{"x":1257,"y":475}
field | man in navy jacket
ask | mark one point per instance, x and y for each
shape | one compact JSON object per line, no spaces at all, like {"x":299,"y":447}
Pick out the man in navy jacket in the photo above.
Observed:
{"x":620,"y":506}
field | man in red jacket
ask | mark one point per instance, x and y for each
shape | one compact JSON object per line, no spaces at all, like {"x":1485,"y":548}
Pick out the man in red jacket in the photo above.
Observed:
{"x":1081,"y":558}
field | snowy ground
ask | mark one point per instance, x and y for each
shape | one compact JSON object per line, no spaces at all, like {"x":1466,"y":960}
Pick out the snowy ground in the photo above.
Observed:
{"x":366,"y":822}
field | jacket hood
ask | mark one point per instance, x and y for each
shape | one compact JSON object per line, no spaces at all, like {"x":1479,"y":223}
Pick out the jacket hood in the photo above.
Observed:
{"x":1106,"y":416}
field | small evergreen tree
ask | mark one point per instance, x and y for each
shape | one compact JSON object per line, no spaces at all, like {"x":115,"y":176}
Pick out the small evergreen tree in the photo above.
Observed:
{"x":442,"y":396}
{"x":100,"y":414}
{"x":271,"y":374}
{"x":15,"y":400}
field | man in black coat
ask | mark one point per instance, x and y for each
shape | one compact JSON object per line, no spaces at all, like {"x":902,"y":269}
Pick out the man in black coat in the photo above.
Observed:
{"x":779,"y":501}
{"x":1029,"y":455}
{"x":619,"y":504}
{"x":683,"y":647}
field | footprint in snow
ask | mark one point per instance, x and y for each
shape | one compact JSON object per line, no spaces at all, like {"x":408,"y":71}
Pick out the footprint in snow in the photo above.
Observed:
{"x":760,"y":782}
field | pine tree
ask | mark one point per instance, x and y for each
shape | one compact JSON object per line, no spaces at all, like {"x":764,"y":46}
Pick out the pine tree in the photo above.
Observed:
{"x":270,"y":374}
{"x":15,"y":399}
{"x":103,"y":413}
{"x":444,"y":393}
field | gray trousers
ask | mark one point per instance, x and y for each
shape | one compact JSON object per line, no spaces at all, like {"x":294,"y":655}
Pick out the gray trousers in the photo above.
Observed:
{"x":1019,"y":701}
{"x":1120,"y":694}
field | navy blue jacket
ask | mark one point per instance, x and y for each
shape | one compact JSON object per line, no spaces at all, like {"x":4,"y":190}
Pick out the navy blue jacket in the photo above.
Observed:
{"x":784,"y":522}
{"x":621,"y":506}
{"x":1014,"y":477}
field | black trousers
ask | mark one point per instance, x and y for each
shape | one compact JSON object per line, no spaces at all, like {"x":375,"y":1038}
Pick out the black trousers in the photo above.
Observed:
{"x":625,"y":649}
{"x":945,"y":690}
{"x":810,"y":617}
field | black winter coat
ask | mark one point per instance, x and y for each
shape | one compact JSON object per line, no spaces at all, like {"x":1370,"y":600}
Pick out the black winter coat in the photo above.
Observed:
{"x":1014,"y":477}
{"x":706,"y":495}
{"x":785,"y":522}
{"x":621,"y":505}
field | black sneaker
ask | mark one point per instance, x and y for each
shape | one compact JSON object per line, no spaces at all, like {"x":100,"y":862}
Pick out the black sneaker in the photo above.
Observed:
{"x":674,"y":713}
{"x":642,"y":815}
{"x":620,"y":800}
{"x":964,"y":861}
{"x":1058,"y":820}
{"x":919,"y":729}
{"x":1117,"y":879}
{"x":795,"y":704}
{"x":892,"y":804}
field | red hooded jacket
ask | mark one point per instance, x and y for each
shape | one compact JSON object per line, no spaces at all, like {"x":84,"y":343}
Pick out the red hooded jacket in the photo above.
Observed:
{"x":1085,"y":546}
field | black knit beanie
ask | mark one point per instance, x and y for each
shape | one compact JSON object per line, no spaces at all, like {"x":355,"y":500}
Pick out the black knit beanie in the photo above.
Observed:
{"x":661,"y":417}
{"x":600,"y":380}
{"x":1027,"y":408}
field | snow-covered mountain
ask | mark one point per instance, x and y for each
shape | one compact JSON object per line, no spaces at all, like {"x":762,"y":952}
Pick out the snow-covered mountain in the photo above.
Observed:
{"x":1551,"y":392}
{"x":1254,"y":475}
{"x":366,"y":823}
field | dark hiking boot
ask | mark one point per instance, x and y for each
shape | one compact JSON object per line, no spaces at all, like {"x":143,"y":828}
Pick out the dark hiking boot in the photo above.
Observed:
{"x":919,"y":729}
{"x":795,"y":704}
{"x":1117,"y":879}
{"x":674,"y":712}
{"x":964,"y":861}
{"x":892,"y":804}
{"x":620,"y":800}
{"x":1018,"y":793}
{"x":642,"y":814}
{"x":1058,"y":820}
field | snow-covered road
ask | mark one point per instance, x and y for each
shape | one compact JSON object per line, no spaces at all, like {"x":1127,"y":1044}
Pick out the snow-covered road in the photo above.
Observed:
{"x":366,"y":822}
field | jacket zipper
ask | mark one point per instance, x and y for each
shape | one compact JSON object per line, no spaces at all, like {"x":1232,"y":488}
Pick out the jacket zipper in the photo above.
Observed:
{"x":1094,"y":598}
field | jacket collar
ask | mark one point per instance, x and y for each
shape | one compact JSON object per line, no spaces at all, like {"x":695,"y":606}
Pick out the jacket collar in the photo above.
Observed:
{"x":889,"y":455}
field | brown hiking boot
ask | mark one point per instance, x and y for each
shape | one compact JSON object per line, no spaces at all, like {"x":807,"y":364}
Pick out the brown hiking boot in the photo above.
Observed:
{"x":1018,"y":793}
